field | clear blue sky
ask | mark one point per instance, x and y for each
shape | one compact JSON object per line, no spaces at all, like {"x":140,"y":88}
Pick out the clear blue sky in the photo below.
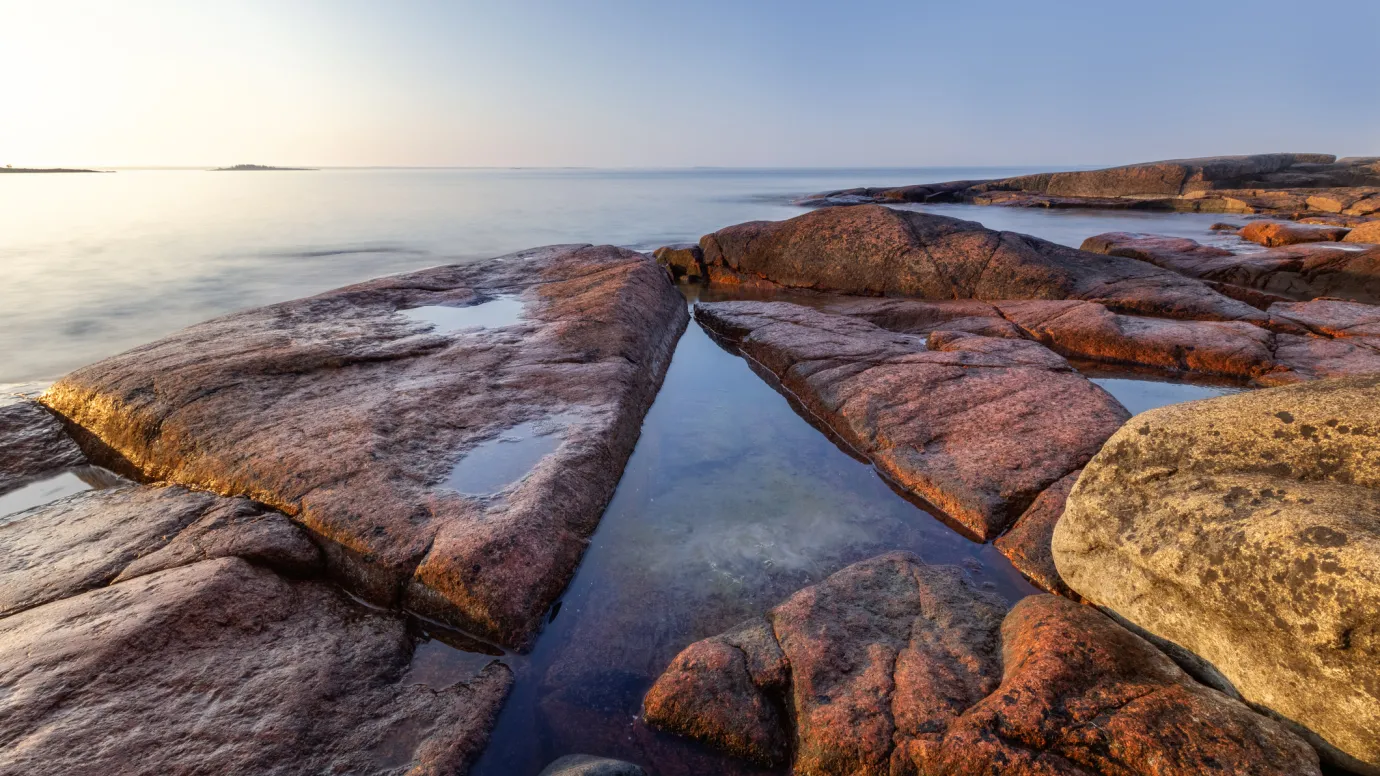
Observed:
{"x":585,"y":82}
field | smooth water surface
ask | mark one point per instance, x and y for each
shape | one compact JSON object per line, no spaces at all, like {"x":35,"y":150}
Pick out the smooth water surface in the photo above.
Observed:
{"x":499,"y":462}
{"x":57,"y":486}
{"x":1139,"y":395}
{"x":730,"y":503}
{"x":492,"y":314}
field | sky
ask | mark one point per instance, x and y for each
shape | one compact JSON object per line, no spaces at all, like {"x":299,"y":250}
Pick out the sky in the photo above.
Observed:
{"x":672,"y":84}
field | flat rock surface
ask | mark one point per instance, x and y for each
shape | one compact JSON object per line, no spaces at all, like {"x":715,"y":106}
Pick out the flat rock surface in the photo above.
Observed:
{"x":978,"y":426}
{"x":893,"y":667}
{"x":1027,"y":543}
{"x":87,"y":540}
{"x":32,"y":443}
{"x":1276,"y":233}
{"x":1246,"y":530}
{"x":871,"y":664}
{"x":222,"y":667}
{"x":1296,"y":272}
{"x":874,"y":250}
{"x":450,"y":436}
{"x":1080,"y":695}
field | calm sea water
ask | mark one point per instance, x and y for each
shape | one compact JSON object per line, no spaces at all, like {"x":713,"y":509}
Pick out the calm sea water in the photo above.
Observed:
{"x":96,"y":264}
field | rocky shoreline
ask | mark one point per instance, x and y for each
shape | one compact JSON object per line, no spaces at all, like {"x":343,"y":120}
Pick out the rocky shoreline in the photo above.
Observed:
{"x":277,"y":502}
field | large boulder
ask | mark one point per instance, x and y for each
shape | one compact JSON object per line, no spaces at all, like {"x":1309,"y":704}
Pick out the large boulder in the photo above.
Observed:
{"x":1296,"y":272}
{"x":893,"y":667}
{"x":1368,"y":232}
{"x":870,"y":665}
{"x":876,"y":251}
{"x":977,"y":426}
{"x":223,"y":667}
{"x":450,"y":437}
{"x":1245,"y":532}
{"x":90,"y":539}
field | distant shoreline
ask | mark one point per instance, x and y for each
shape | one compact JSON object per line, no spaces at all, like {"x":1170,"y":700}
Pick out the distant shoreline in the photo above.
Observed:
{"x":46,"y":169}
{"x":262,"y":168}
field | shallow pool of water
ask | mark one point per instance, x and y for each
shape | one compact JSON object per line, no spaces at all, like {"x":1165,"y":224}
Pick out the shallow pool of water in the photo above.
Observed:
{"x":1139,"y":395}
{"x":57,"y":486}
{"x":499,"y":462}
{"x":444,"y":319}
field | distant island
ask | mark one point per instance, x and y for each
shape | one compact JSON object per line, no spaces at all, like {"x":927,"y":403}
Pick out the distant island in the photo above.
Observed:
{"x":260,"y":168}
{"x":46,"y":169}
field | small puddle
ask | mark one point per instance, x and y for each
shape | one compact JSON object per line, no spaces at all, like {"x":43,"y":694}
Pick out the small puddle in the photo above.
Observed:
{"x":1137,"y":396}
{"x":495,"y":313}
{"x":49,"y":489}
{"x":445,"y":658}
{"x":499,"y":462}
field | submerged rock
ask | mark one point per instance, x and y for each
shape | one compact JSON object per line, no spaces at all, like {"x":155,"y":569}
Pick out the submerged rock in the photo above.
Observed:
{"x":1299,"y":272}
{"x":893,"y":667}
{"x":873,"y":250}
{"x":32,"y":443}
{"x":586,"y":765}
{"x":227,"y":668}
{"x":375,"y":416}
{"x":91,"y":539}
{"x":977,"y":426}
{"x":1246,"y":531}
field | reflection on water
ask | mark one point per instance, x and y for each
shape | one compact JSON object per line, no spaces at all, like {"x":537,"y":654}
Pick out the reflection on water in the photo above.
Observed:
{"x":54,"y":487}
{"x":730,"y":503}
{"x":497,"y":463}
{"x":497,"y":312}
{"x":1072,"y":226}
{"x":1139,"y":395}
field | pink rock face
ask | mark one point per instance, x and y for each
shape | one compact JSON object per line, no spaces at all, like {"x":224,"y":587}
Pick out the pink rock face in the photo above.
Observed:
{"x":1295,"y":272}
{"x":1276,"y":233}
{"x":353,"y":415}
{"x":224,"y":667}
{"x":88,"y":541}
{"x":977,"y":426}
{"x":1026,"y":544}
{"x":875,"y":662}
{"x":873,"y":250}
{"x":1082,"y":695}
{"x":893,"y":667}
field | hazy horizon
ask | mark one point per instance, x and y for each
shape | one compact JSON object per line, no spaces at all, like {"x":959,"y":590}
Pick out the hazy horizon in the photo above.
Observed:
{"x":619,"y":84}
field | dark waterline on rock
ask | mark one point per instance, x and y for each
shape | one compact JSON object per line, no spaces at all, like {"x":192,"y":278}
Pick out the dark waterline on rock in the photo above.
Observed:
{"x":494,"y":313}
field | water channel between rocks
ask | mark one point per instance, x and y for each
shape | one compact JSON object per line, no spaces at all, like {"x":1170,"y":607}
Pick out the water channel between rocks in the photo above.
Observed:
{"x":730,"y":503}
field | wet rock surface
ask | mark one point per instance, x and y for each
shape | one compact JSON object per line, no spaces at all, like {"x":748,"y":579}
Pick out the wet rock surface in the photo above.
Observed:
{"x":1027,"y":543}
{"x":91,"y":539}
{"x":348,"y":413}
{"x":1299,"y":272}
{"x":876,"y":251}
{"x":1244,"y":530}
{"x":893,"y":667}
{"x":32,"y":443}
{"x":977,"y":426}
{"x":224,"y":667}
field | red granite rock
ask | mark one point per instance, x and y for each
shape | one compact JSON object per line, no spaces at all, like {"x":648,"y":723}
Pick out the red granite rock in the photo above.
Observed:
{"x":1026,"y":544}
{"x":1080,"y":695}
{"x":1369,"y":232}
{"x":882,"y":656}
{"x":1296,"y":272}
{"x":347,"y":414}
{"x":873,"y":250}
{"x":1330,"y":318}
{"x":1275,"y":233}
{"x":223,"y":667}
{"x":978,"y":428}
